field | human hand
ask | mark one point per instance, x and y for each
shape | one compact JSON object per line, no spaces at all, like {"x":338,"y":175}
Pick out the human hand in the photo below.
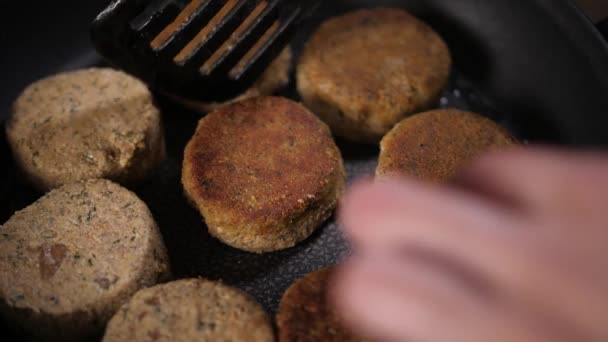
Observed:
{"x":515,"y":250}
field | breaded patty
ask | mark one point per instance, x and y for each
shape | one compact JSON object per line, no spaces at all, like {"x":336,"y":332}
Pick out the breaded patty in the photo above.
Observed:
{"x":271,"y":81}
{"x":305,"y":315}
{"x":365,"y":71}
{"x":71,"y":259}
{"x":264,"y":173}
{"x":436,"y":145}
{"x":190,"y":310}
{"x":94,"y":123}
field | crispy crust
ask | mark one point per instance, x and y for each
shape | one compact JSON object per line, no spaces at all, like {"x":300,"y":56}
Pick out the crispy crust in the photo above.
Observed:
{"x":71,"y":259}
{"x":365,"y":71}
{"x":271,"y":81}
{"x":304,"y":313}
{"x":265,"y":173}
{"x":93,"y":123}
{"x":190,"y":310}
{"x":435,"y":145}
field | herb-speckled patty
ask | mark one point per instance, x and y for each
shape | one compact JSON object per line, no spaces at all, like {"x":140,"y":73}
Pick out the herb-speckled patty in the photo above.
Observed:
{"x":365,"y":71}
{"x":264,"y":173}
{"x":71,"y":259}
{"x":305,"y":314}
{"x":190,"y":310}
{"x":93,"y":123}
{"x":434,"y":146}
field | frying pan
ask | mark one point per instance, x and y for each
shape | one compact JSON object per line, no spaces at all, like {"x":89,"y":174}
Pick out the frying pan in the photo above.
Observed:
{"x":538,"y":67}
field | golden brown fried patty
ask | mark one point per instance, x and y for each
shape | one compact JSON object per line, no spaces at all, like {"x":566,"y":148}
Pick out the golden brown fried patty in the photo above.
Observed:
{"x":304,"y":313}
{"x":435,"y":145}
{"x":190,"y":310}
{"x":264,"y":173}
{"x":365,"y":71}
{"x":71,"y":259}
{"x":271,"y":81}
{"x":94,"y":123}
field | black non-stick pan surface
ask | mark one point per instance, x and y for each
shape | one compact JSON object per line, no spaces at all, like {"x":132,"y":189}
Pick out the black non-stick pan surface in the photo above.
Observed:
{"x":537,"y":67}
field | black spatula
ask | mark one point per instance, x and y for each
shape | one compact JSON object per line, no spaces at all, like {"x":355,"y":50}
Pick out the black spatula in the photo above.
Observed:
{"x":200,"y":49}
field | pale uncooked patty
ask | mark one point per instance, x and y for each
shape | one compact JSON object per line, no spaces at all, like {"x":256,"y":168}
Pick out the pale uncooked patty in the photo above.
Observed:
{"x":190,"y":310}
{"x":71,"y":259}
{"x":264,"y":173}
{"x":436,"y":145}
{"x":306,"y":315}
{"x":272,"y":80}
{"x":94,"y":123}
{"x":365,"y":71}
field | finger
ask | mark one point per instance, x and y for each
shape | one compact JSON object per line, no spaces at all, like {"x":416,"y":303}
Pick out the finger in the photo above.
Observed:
{"x":393,"y":213}
{"x":539,"y":178}
{"x":410,"y":199}
{"x":398,"y":215}
{"x":407,"y":301}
